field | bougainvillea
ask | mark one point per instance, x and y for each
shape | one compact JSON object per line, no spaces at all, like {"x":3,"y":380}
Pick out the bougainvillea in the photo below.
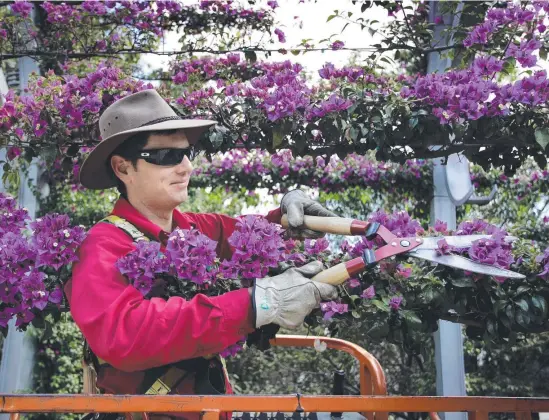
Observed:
{"x":35,"y":261}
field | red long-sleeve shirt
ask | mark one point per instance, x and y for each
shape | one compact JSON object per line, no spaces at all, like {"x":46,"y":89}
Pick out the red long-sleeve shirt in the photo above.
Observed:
{"x":133,"y":334}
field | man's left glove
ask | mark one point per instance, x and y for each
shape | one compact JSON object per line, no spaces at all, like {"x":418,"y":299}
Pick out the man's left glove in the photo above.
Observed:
{"x":295,"y":205}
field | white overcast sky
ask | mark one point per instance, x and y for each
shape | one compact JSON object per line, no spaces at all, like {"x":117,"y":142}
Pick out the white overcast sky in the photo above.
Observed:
{"x":310,"y":23}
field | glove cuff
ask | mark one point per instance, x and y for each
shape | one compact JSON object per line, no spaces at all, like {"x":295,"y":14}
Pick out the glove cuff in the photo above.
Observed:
{"x":265,"y":305}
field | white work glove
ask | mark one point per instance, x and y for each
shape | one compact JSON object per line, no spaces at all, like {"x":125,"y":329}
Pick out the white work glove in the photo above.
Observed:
{"x":295,"y":205}
{"x":288,"y":298}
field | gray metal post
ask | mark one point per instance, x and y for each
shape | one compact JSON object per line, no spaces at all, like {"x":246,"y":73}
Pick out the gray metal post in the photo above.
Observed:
{"x":18,"y":351}
{"x":448,"y":339}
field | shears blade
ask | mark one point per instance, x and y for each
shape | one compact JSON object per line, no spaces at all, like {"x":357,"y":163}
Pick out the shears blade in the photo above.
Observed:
{"x":463,"y":263}
{"x":463,"y":241}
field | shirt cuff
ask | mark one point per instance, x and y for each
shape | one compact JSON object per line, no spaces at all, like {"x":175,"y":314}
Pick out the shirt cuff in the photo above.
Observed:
{"x":274,"y":216}
{"x":237,"y":312}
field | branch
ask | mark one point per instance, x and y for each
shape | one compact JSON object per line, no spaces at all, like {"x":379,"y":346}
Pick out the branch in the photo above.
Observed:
{"x":113,"y":54}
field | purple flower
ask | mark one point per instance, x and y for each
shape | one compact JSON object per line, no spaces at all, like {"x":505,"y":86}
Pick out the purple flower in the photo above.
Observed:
{"x":403,"y":272}
{"x":441,"y":226}
{"x":471,"y":227}
{"x":23,"y":314}
{"x":191,"y":255}
{"x":6,"y":314}
{"x":337,"y":45}
{"x":33,"y":289}
{"x":331,"y":308}
{"x":12,"y":218}
{"x":444,"y":248}
{"x":142,"y":265}
{"x":395,"y":302}
{"x":368,"y":293}
{"x":327,"y":71}
{"x":22,"y":8}
{"x":54,"y":241}
{"x":352,"y":283}
{"x":258,"y":246}
{"x":281,"y":36}
{"x":16,"y":257}
{"x":272,"y":3}
{"x":233,"y":349}
{"x":316,"y":246}
{"x":56,"y":296}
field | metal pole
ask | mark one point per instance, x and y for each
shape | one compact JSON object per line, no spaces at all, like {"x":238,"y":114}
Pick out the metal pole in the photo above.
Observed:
{"x":449,"y":362}
{"x":17,"y":363}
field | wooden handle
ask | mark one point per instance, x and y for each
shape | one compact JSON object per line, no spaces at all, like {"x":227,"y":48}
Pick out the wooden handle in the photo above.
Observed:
{"x":334,"y":275}
{"x":341,"y":272}
{"x":337,"y":225}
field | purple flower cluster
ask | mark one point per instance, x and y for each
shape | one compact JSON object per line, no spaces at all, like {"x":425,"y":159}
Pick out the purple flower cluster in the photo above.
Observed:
{"x":22,"y":8}
{"x":368,"y":293}
{"x":353,"y":170}
{"x":316,"y":246}
{"x":494,"y":251}
{"x":233,"y":349}
{"x":332,"y":308}
{"x":334,"y":103}
{"x":258,"y":246}
{"x":12,"y":218}
{"x":458,"y":95}
{"x":77,"y":101}
{"x":497,"y":18}
{"x":399,"y":223}
{"x":54,"y":241}
{"x":192,"y":256}
{"x":142,"y":265}
{"x":524,"y":52}
{"x":27,"y":259}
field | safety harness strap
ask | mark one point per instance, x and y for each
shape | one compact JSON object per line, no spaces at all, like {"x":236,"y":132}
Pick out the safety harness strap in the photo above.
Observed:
{"x":171,"y":377}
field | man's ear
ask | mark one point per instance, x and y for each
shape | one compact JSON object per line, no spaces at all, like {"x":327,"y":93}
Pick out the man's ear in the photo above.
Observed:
{"x":120,"y":167}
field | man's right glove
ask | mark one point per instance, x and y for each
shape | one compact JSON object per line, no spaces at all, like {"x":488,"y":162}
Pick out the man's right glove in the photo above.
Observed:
{"x":288,"y":298}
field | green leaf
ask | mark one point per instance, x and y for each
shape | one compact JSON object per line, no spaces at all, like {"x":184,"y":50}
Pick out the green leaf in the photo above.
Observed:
{"x":522,"y":304}
{"x":543,"y":53}
{"x":380,"y":305}
{"x":542,"y":137}
{"x":463,"y":282}
{"x":523,"y":319}
{"x":540,"y":303}
{"x":278,"y":137}
{"x":330,"y":17}
{"x":522,"y":289}
{"x":412,"y":319}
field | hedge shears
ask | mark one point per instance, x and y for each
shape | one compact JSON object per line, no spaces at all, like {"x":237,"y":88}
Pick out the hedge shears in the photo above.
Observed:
{"x":418,"y":246}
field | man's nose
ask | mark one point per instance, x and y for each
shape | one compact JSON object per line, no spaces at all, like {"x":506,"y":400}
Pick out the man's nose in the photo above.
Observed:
{"x":185,"y":165}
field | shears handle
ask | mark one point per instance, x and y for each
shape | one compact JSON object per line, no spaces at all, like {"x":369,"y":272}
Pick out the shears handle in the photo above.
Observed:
{"x":337,"y":225}
{"x":341,"y":272}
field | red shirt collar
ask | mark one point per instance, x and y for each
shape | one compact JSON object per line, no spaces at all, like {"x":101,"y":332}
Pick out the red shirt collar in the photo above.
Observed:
{"x":125,"y":210}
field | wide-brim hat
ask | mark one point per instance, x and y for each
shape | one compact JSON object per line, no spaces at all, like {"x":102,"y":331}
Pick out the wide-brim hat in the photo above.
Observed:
{"x":142,"y":111}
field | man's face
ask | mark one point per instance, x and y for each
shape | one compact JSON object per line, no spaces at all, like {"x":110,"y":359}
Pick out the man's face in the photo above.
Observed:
{"x":161,"y":186}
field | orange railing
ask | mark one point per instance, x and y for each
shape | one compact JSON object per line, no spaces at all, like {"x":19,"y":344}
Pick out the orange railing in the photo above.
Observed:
{"x":372,"y":378}
{"x":211,"y":406}
{"x":373,"y":403}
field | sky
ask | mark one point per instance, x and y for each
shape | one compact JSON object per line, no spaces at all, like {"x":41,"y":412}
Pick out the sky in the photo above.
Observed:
{"x":310,"y":23}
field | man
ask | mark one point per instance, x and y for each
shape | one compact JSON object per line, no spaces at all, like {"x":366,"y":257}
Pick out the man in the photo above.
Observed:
{"x":159,"y":346}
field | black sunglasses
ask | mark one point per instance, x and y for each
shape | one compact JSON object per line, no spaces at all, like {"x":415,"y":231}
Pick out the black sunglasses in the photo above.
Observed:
{"x":167,"y":156}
